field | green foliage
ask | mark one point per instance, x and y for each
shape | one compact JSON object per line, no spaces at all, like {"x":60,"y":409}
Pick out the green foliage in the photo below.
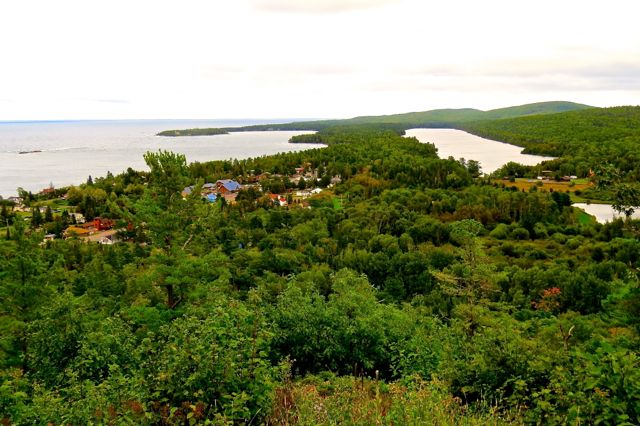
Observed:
{"x":407,"y":292}
{"x":399,"y":122}
{"x":329,"y":400}
{"x":193,"y":132}
{"x":584,"y":139}
{"x":626,"y":198}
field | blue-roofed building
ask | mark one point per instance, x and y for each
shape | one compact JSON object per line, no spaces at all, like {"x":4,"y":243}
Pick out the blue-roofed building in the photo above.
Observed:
{"x":187,"y":191}
{"x":228,"y":185}
{"x":211,"y":198}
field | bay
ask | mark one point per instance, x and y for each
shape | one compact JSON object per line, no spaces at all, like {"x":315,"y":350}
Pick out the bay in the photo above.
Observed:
{"x":492,"y":155}
{"x":458,"y":144}
{"x":71,"y":151}
{"x":603,"y":212}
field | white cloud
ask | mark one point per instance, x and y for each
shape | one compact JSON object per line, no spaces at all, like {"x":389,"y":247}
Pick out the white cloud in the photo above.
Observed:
{"x":198,"y":58}
{"x":323,"y":6}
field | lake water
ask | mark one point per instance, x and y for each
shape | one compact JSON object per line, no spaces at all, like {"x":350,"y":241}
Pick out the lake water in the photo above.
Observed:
{"x":458,"y":144}
{"x":73,"y":150}
{"x":492,"y":155}
{"x":603,"y":212}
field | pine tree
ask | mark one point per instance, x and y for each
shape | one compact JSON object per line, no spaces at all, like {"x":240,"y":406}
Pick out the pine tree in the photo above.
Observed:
{"x":48,"y":215}
{"x":36,"y":217}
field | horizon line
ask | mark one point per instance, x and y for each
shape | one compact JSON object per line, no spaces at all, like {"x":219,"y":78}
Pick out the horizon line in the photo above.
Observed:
{"x":71,"y":120}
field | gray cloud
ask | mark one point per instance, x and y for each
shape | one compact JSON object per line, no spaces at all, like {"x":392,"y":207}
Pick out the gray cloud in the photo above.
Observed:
{"x":111,"y":101}
{"x":278,"y":72}
{"x":538,"y":75}
{"x":316,"y":6}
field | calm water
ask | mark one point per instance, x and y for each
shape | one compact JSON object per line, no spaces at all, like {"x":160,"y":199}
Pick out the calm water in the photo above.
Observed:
{"x":603,"y":212}
{"x":458,"y":144}
{"x":492,"y":155}
{"x":71,"y":151}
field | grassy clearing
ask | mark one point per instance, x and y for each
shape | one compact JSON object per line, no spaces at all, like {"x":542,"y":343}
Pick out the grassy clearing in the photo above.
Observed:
{"x":544,"y":185}
{"x":584,"y":218}
{"x":355,"y":401}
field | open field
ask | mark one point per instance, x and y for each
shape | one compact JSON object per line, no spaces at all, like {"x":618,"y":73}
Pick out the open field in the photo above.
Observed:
{"x":548,"y":185}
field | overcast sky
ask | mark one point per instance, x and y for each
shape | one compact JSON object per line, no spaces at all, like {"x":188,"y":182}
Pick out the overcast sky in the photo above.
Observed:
{"x":77,"y":59}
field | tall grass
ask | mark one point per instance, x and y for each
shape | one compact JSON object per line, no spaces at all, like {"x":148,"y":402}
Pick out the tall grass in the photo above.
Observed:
{"x":359,"y":401}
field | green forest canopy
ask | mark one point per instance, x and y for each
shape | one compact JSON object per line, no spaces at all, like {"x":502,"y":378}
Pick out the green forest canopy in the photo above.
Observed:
{"x":406,"y":293}
{"x":433,"y":118}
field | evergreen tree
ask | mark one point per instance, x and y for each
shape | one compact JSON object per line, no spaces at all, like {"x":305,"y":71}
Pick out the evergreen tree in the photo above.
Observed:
{"x":48,"y":215}
{"x":36,"y":217}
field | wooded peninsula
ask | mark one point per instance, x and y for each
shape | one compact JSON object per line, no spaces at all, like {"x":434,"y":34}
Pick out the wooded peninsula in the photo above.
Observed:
{"x":367,"y":282}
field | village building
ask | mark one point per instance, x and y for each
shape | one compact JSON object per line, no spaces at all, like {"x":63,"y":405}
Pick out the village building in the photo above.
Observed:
{"x":98,"y":230}
{"x":98,"y":224}
{"x":77,"y":217}
{"x":230,"y":197}
{"x":16,"y":200}
{"x":228,"y":185}
{"x":209,"y":188}
{"x":303,"y":193}
{"x":108,"y":237}
{"x":47,"y":191}
{"x":187,"y":191}
{"x":278,"y":200}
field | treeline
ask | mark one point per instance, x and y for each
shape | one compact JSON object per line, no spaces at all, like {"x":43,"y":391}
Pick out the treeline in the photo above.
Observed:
{"x":193,"y":132}
{"x":588,"y":137}
{"x":438,"y":118}
{"x":407,"y":293}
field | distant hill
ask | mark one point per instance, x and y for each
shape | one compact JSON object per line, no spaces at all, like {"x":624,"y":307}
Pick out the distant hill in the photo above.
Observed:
{"x":566,"y":133}
{"x":437,"y":118}
{"x":538,"y":108}
{"x":193,"y":132}
{"x":447,"y":117}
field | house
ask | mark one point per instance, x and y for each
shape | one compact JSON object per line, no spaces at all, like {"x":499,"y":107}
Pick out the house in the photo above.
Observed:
{"x":255,"y":186}
{"x":187,"y":191}
{"x":546,"y":174}
{"x":107,"y":240}
{"x":228,"y":185}
{"x":278,"y":199}
{"x":47,"y":191}
{"x":303,"y":193}
{"x":209,"y":188}
{"x":107,"y":237}
{"x":98,"y":224}
{"x":230,"y":197}
{"x":15,"y":200}
{"x":211,"y":198}
{"x":49,"y":237}
{"x":78,"y":217}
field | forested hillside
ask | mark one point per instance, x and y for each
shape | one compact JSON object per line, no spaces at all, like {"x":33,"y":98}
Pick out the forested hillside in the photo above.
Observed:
{"x":585,"y":138}
{"x":598,"y":129}
{"x":433,"y":118}
{"x":382,"y":286}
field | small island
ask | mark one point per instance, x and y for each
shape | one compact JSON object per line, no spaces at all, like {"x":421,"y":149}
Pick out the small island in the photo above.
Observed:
{"x":194,"y":132}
